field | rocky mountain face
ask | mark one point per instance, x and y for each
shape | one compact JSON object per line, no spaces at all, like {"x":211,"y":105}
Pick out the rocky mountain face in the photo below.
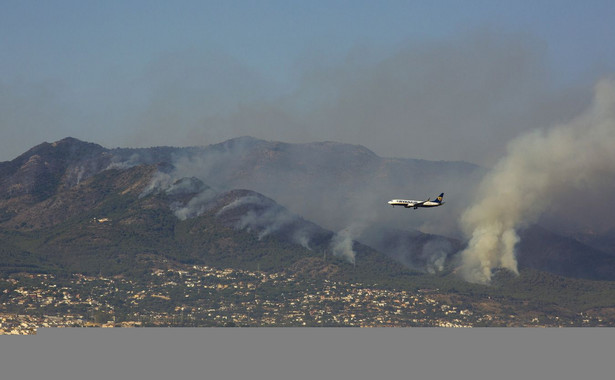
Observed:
{"x":77,"y":206}
{"x":127,"y":218}
{"x":41,"y":169}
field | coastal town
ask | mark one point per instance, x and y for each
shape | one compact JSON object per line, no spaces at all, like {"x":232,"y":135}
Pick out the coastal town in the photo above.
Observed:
{"x":205,"y":296}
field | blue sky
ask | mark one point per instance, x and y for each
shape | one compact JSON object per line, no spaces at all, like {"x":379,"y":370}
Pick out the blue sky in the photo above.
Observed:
{"x":143,"y":73}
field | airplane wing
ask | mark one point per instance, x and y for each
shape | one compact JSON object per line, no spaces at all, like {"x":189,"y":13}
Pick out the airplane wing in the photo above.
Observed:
{"x":417,"y":204}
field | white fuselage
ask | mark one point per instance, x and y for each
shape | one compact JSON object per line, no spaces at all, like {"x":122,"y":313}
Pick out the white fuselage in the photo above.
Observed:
{"x":408,"y":203}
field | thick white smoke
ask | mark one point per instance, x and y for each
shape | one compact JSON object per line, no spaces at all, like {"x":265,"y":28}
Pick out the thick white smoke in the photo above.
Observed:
{"x":266,"y":221}
{"x":540,"y":164}
{"x":342,"y":243}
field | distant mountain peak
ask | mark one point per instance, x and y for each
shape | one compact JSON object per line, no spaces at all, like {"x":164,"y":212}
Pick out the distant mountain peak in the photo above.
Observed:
{"x":249,"y":142}
{"x":68,"y":140}
{"x":67,"y":149}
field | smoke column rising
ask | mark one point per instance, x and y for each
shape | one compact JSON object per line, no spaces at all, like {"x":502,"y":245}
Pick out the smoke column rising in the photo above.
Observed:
{"x":539,"y":165}
{"x":342,"y":243}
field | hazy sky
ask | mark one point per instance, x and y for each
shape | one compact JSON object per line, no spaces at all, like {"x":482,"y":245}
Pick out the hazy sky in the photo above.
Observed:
{"x":445,"y":80}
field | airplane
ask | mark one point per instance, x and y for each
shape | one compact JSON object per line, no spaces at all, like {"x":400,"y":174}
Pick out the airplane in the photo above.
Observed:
{"x":416,"y":204}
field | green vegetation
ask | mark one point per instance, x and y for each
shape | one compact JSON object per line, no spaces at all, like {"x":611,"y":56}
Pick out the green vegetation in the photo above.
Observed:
{"x":121,"y":233}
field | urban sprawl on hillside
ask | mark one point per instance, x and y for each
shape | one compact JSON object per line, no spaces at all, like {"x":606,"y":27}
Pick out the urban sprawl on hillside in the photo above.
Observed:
{"x":205,"y":296}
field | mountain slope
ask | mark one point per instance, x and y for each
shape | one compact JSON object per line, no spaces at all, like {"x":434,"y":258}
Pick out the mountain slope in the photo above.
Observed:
{"x":114,"y":223}
{"x":543,"y":250}
{"x":38,"y":172}
{"x":72,"y":199}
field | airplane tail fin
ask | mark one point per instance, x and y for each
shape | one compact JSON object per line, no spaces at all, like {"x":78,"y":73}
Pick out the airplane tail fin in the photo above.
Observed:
{"x":439,"y":198}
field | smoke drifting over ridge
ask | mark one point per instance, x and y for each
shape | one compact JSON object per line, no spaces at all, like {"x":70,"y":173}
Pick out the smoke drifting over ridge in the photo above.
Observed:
{"x":342,"y":189}
{"x":540,"y":167}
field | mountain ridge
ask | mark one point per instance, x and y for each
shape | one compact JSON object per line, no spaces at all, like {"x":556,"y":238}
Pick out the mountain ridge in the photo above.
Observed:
{"x":55,"y":184}
{"x":110,"y":223}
